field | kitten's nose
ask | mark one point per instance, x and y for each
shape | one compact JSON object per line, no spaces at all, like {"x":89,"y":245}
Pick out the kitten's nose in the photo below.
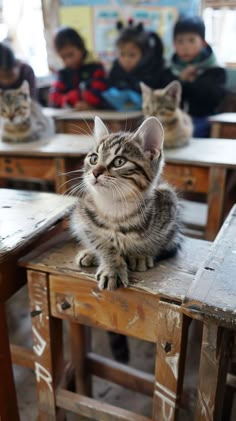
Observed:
{"x":99,"y":170}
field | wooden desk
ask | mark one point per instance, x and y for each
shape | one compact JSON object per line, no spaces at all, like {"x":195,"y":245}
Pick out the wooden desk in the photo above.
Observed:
{"x":26,"y":220}
{"x":202,"y":167}
{"x":211,"y":298}
{"x":47,"y":160}
{"x":223,"y":125}
{"x":82,"y":122}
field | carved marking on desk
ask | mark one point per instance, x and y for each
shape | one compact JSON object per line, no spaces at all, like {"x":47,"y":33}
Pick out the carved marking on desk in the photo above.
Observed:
{"x":173,"y":363}
{"x":41,"y":345}
{"x":42,"y":373}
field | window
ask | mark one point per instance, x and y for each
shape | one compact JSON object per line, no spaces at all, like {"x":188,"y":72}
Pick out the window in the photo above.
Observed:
{"x":22,"y":22}
{"x":220,"y":21}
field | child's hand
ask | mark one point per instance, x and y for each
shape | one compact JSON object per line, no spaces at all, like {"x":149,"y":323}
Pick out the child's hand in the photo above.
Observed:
{"x":82,"y":106}
{"x":188,"y":74}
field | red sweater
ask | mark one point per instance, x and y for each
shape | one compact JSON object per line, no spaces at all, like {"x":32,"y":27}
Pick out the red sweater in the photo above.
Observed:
{"x":84,"y":84}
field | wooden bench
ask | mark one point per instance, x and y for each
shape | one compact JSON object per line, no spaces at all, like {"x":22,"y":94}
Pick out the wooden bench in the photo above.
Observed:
{"x":27,"y":219}
{"x":223,"y":125}
{"x":157,"y":307}
{"x":150,"y":310}
{"x":82,"y":122}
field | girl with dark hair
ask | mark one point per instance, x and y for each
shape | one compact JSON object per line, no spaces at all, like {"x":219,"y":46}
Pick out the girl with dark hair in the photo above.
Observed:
{"x":13,"y":72}
{"x":80,"y":83}
{"x":139,"y":59}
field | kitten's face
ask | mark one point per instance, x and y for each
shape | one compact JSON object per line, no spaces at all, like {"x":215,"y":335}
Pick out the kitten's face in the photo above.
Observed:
{"x":15,"y":105}
{"x":122,"y":167}
{"x":161,"y":103}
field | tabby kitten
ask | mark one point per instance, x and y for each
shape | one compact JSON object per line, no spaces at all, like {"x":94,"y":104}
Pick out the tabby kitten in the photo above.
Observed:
{"x":164,"y":104}
{"x":125,"y":218}
{"x":22,"y":118}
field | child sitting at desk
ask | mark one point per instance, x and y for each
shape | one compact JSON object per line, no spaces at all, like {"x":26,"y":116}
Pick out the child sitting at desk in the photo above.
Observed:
{"x":80,"y":83}
{"x":194,"y":64}
{"x":13,"y":72}
{"x":140,"y":59}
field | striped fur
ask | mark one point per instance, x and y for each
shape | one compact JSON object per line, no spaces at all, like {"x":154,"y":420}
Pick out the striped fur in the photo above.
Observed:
{"x":164,"y":104}
{"x":124,"y":216}
{"x":22,"y":118}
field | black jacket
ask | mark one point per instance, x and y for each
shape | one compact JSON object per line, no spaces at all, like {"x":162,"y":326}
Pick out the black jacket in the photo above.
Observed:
{"x":148,"y":71}
{"x":202,"y":96}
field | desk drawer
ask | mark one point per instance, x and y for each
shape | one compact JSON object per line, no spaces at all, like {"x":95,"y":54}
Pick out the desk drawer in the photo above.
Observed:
{"x":187,"y":178}
{"x":23,"y":168}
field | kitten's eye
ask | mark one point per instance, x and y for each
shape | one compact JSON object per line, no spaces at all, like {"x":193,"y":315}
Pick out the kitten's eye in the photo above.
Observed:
{"x":93,"y":159}
{"x":119,"y":161}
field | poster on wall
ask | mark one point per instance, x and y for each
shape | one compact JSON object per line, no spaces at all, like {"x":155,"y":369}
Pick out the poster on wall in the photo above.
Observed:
{"x":79,"y":18}
{"x":83,"y":2}
{"x":105,"y":32}
{"x":183,"y":6}
{"x":160,"y":20}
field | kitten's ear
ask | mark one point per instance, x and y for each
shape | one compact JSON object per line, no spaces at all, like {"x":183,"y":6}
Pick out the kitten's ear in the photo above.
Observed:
{"x":145,"y":89}
{"x":151,"y":134}
{"x":100,"y":130}
{"x":174,"y":91}
{"x":24,"y":88}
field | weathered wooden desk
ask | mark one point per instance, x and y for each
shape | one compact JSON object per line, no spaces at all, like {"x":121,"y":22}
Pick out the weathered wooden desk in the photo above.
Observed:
{"x":150,"y":309}
{"x":153,"y":309}
{"x":55,"y":114}
{"x":202,"y":167}
{"x":27,"y":219}
{"x":82,"y":122}
{"x":212,"y":298}
{"x":47,"y":160}
{"x":223,"y":125}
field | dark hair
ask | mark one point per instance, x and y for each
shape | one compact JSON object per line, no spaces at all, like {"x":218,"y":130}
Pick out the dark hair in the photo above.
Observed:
{"x":7,"y":58}
{"x":146,"y":41}
{"x":68,"y":36}
{"x":187,"y":24}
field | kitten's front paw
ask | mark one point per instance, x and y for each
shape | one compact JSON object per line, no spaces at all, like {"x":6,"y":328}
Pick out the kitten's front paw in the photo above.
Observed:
{"x":111,"y":278}
{"x":85,"y":259}
{"x":140,"y":263}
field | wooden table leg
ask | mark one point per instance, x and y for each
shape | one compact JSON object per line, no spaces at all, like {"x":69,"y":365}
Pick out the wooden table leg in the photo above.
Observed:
{"x":8,"y":402}
{"x":47,"y":346}
{"x":212,"y":373}
{"x":216,"y":194}
{"x":215,"y":130}
{"x":79,"y":346}
{"x":170,"y":360}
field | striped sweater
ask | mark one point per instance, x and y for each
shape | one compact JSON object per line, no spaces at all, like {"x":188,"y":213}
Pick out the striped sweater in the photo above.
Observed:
{"x":74,"y":85}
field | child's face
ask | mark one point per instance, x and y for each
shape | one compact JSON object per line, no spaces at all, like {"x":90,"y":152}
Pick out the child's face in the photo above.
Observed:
{"x":129,"y":55}
{"x":8,"y":77}
{"x":188,"y":46}
{"x":71,"y":56}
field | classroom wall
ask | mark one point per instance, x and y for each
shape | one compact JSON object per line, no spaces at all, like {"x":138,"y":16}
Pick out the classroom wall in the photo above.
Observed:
{"x":96,"y":20}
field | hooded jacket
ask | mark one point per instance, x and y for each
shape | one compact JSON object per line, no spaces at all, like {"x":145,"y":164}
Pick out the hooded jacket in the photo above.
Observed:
{"x":202,"y":96}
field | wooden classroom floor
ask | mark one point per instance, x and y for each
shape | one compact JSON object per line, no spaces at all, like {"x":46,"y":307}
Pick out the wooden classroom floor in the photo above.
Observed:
{"x":141,"y":352}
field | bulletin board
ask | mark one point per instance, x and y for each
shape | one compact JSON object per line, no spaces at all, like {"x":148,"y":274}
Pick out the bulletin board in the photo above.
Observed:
{"x":96,"y":20}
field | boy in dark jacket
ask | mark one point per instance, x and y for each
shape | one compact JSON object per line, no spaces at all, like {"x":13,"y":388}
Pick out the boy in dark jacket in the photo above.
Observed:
{"x":80,"y":83}
{"x":194,"y":64}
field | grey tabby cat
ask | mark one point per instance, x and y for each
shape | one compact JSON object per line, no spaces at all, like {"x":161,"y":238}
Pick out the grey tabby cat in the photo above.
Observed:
{"x":125,"y":218}
{"x":22,"y":118}
{"x":164,"y":104}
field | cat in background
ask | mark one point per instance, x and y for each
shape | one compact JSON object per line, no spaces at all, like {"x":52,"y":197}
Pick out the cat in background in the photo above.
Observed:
{"x":165,"y":104}
{"x":125,"y":218}
{"x":22,"y":117}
